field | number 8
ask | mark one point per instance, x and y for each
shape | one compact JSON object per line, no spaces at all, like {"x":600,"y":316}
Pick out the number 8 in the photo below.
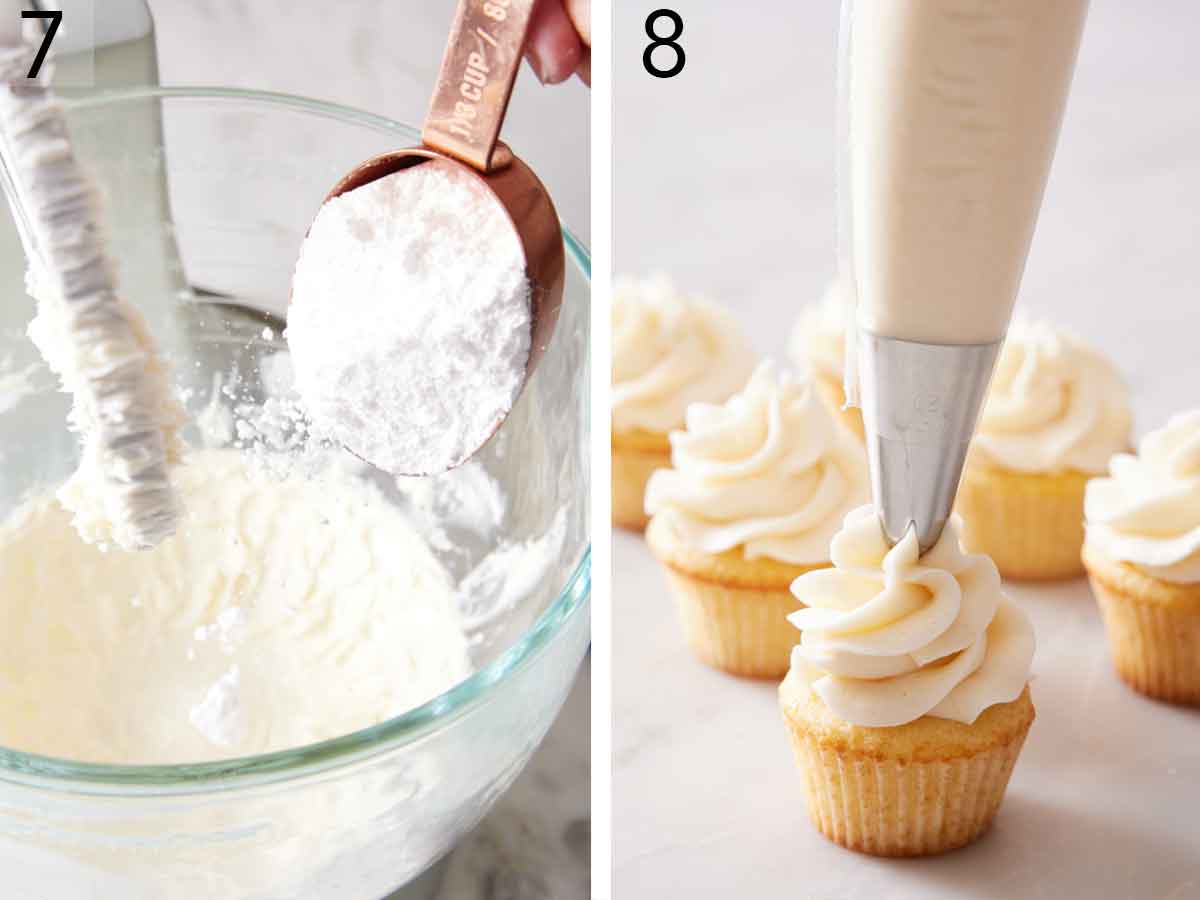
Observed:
{"x":668,"y":41}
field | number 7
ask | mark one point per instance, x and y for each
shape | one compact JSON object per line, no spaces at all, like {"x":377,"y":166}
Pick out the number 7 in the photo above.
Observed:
{"x":55,"y":17}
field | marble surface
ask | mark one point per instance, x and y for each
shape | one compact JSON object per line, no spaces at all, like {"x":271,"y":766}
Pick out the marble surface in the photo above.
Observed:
{"x":536,"y":844}
{"x":382,"y":56}
{"x":723,"y":178}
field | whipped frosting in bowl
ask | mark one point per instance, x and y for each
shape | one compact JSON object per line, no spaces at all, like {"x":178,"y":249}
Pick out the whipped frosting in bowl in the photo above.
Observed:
{"x":889,"y":636}
{"x":283,"y":612}
{"x":1147,"y":511}
{"x":770,"y":471}
{"x":1055,"y":404}
{"x":670,"y":350}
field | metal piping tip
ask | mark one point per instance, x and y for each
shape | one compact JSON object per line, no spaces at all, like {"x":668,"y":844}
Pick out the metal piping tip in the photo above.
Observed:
{"x":920,"y":403}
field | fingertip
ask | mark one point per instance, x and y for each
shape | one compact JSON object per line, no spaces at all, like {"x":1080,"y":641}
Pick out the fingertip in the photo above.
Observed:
{"x":580,"y":14}
{"x":554,"y":50}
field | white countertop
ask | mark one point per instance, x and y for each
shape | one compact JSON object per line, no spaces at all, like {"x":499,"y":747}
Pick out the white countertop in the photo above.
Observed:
{"x":723,"y":178}
{"x":707,"y":800}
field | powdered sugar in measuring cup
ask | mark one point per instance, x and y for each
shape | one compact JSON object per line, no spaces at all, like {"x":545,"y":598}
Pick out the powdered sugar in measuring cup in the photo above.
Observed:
{"x":410,"y":321}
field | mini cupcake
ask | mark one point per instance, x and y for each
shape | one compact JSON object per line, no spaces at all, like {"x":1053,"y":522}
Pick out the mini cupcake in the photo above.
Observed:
{"x":1142,"y":555}
{"x":818,"y":346}
{"x":907,"y":701}
{"x":1055,"y":413}
{"x":668,"y":350}
{"x":758,"y":488}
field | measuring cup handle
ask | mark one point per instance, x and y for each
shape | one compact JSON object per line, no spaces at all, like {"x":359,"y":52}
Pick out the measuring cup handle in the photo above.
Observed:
{"x":482,"y":57}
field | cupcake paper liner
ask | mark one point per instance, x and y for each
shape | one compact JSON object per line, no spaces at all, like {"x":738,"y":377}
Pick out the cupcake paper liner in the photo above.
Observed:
{"x":1155,"y":647}
{"x":743,"y":631}
{"x":733,"y":610}
{"x":1030,"y":524}
{"x":631,"y":469}
{"x":870,"y":803}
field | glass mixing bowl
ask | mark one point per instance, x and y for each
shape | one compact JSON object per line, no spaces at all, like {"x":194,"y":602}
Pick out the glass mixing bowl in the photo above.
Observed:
{"x":208,"y":195}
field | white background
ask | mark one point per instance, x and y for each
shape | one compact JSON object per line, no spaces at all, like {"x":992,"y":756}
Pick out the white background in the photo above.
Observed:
{"x":723,"y":178}
{"x":377,"y":55}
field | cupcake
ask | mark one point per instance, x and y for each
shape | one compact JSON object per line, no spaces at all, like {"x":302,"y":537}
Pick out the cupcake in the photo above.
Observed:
{"x":668,"y":350}
{"x":818,"y":346}
{"x":1142,"y":555}
{"x":907,"y":701}
{"x":1055,"y":413}
{"x":758,"y":487}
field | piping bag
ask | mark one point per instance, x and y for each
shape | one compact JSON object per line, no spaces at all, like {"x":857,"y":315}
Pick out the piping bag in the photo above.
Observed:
{"x":949,"y":112}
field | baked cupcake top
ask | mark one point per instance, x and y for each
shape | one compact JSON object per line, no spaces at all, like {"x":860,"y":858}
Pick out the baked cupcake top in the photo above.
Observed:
{"x":889,"y":636}
{"x":770,"y":471}
{"x":669,"y":350}
{"x":1054,"y":404}
{"x":818,"y":340}
{"x":1147,"y":512}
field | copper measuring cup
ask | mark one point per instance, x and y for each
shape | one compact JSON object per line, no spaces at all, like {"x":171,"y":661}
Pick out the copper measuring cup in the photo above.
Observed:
{"x":462,"y":127}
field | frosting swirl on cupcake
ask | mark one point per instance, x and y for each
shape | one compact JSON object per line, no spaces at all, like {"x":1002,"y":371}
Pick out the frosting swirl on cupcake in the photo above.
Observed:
{"x":818,"y":340}
{"x":1054,"y":404}
{"x":889,"y":636}
{"x":770,"y":471}
{"x":1148,"y":511}
{"x":668,"y":351}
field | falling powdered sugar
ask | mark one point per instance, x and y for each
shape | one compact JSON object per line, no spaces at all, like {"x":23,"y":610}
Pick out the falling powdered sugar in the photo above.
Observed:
{"x":410,"y":323}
